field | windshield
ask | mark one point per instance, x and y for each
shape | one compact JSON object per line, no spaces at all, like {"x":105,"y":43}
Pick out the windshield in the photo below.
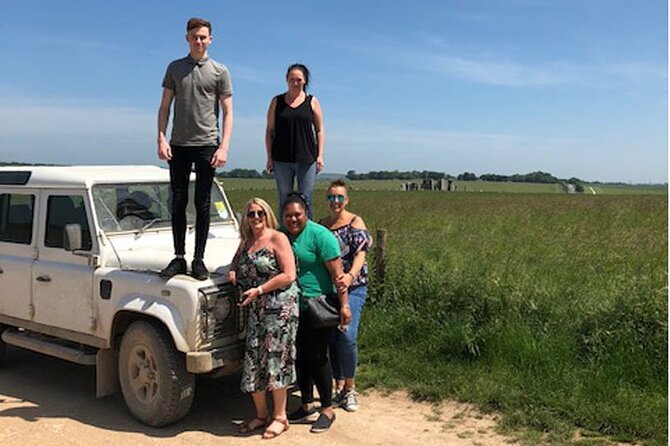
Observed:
{"x":140,"y":206}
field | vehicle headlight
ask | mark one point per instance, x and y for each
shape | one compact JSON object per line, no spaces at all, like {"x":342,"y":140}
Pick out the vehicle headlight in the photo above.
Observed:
{"x":222,"y":309}
{"x":220,"y":315}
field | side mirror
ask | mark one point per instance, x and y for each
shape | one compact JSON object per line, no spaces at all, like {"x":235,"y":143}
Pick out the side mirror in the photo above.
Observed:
{"x":72,"y":235}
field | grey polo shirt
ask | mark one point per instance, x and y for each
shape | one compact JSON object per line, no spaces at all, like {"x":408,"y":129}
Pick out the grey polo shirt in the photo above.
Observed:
{"x":198,"y":87}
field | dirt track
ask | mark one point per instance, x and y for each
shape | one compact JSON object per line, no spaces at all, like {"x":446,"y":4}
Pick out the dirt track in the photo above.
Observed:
{"x":46,"y":401}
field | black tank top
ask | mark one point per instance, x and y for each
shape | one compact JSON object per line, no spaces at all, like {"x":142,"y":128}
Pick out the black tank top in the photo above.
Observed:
{"x":295,"y":138}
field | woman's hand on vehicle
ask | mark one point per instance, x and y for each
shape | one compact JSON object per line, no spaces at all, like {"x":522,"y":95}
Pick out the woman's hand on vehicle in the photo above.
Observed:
{"x":232,"y":277}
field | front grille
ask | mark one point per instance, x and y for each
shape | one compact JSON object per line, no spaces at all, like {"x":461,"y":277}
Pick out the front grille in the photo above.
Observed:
{"x":220,"y":315}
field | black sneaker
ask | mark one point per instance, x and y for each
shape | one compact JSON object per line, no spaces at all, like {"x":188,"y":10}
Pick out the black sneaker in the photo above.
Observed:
{"x":176,"y":266}
{"x":338,"y":397}
{"x":301,"y":414}
{"x":322,"y":424}
{"x":199,"y":270}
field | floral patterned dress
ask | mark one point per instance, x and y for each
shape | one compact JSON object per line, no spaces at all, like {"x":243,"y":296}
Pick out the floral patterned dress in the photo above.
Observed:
{"x":269,"y":360}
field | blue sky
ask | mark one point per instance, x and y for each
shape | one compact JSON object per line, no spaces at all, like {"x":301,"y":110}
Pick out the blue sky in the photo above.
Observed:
{"x":571,"y":87}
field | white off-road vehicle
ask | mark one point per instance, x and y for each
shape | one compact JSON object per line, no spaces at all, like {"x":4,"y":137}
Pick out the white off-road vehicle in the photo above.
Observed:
{"x":80,"y":253}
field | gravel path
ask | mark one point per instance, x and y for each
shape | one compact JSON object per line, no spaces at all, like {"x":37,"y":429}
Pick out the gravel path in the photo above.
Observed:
{"x":46,"y":401}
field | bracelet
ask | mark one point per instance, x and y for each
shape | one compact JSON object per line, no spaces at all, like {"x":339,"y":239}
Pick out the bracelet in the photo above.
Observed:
{"x":259,"y":289}
{"x":346,"y":306}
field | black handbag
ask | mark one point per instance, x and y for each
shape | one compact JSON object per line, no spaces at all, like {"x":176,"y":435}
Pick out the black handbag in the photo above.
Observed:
{"x":324,"y":311}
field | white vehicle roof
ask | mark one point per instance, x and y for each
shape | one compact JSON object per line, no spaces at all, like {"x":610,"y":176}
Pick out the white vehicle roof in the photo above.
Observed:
{"x":80,"y":176}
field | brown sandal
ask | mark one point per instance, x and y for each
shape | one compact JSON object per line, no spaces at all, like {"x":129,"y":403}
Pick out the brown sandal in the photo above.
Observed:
{"x":270,"y":434}
{"x":249,"y":426}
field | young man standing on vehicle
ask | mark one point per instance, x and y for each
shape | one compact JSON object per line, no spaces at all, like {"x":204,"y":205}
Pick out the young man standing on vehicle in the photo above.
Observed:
{"x":199,"y":87}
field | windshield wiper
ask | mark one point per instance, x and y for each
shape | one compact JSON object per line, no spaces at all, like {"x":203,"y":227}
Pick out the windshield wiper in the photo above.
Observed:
{"x":150,"y":224}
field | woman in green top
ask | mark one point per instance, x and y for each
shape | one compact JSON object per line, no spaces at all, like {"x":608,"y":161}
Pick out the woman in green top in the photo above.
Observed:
{"x":319,"y":265}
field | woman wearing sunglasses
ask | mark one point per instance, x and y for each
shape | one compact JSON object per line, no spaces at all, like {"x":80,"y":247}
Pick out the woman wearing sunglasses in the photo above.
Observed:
{"x":319,"y":265}
{"x":264,"y":267}
{"x":354,"y":240}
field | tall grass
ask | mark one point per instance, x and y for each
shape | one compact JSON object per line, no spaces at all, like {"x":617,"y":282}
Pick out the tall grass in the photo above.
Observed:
{"x":551,"y":309}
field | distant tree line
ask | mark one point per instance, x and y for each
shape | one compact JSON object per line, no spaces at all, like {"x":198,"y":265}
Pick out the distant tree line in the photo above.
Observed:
{"x":533,"y":177}
{"x":245,"y":173}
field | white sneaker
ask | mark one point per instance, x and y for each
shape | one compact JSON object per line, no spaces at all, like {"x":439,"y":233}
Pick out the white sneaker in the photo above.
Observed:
{"x":350,"y":402}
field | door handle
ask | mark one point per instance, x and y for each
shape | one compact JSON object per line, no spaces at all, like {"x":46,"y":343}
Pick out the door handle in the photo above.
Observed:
{"x":43,"y":278}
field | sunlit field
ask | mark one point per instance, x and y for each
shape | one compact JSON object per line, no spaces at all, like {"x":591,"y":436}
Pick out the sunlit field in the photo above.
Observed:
{"x":462,"y":186}
{"x":548,"y":308}
{"x":636,"y":189}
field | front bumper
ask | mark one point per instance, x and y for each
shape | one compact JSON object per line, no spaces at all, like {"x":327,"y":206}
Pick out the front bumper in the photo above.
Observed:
{"x":229,"y":358}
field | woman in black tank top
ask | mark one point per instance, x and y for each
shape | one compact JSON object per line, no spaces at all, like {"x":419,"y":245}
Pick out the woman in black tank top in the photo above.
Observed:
{"x":294,"y":137}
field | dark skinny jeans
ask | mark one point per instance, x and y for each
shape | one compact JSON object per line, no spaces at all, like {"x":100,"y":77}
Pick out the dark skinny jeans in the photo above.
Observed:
{"x":180,"y":170}
{"x":312,"y":364}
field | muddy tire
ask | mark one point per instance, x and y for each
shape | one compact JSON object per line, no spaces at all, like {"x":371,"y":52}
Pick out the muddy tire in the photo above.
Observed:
{"x":155,"y":384}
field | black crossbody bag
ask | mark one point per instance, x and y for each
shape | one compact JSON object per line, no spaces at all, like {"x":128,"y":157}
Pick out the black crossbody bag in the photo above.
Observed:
{"x":324,"y":310}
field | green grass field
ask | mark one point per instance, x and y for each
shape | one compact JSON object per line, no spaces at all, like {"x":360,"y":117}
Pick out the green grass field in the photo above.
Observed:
{"x":632,"y":189}
{"x":461,"y":186}
{"x":551,"y":309}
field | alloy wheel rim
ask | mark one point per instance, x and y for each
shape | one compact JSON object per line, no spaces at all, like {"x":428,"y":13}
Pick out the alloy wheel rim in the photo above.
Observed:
{"x":143,"y":374}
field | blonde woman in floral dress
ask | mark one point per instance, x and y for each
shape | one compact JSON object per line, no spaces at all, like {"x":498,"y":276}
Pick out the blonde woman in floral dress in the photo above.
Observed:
{"x":264,"y":267}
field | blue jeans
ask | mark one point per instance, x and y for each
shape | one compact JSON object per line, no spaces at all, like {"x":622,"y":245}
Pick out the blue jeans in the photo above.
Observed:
{"x":343,"y":348}
{"x":284,"y":174}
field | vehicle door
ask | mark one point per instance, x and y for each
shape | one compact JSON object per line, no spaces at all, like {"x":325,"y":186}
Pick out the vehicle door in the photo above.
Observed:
{"x":17,"y":252}
{"x":62,"y":279}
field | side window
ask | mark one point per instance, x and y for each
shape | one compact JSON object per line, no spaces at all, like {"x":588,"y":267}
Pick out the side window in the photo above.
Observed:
{"x":16,"y":218}
{"x":63,"y":210}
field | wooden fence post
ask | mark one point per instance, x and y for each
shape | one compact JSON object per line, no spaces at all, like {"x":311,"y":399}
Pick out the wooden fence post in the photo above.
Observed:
{"x":380,"y":260}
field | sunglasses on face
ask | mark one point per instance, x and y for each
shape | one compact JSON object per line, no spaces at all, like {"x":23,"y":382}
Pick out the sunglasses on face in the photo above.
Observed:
{"x":256,"y":214}
{"x":333,"y":198}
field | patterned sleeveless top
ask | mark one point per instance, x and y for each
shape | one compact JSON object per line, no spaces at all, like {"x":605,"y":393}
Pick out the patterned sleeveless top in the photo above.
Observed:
{"x":352,"y":241}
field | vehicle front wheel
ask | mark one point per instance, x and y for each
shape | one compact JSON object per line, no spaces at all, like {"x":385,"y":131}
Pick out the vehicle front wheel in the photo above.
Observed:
{"x":155,"y":384}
